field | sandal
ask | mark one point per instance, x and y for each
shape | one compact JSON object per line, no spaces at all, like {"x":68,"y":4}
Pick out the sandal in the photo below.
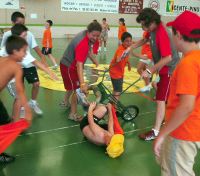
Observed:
{"x":75,"y":117}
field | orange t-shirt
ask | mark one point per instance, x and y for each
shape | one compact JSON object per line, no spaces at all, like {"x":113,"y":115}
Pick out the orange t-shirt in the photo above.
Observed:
{"x":117,"y":69}
{"x":186,"y":81}
{"x":121,"y":30}
{"x":146,"y":49}
{"x":47,"y":39}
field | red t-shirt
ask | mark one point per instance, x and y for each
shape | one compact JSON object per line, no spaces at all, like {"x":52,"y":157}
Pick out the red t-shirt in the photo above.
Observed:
{"x":163,"y":45}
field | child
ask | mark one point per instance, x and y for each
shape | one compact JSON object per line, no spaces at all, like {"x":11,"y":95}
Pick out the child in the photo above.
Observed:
{"x":118,"y":64}
{"x":143,"y":63}
{"x":28,"y":63}
{"x":9,"y":68}
{"x":47,"y":43}
{"x":110,"y":134}
{"x":121,"y":30}
{"x":178,"y":142}
{"x":104,"y":34}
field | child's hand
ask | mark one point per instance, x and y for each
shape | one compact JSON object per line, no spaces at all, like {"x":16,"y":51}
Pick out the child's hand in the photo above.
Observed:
{"x":109,"y":106}
{"x":84,"y":88}
{"x":53,"y":76}
{"x":92,"y":106}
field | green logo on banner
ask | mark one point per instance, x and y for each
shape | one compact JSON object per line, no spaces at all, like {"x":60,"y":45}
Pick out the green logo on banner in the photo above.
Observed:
{"x":170,"y":6}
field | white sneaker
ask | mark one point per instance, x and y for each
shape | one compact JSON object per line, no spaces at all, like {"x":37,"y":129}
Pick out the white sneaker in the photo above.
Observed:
{"x":55,"y":67}
{"x":22,"y":113}
{"x":35,"y":107}
{"x":145,"y":88}
{"x":105,"y":49}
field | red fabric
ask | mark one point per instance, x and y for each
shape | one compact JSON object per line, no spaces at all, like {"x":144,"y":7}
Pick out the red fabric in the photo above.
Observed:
{"x":96,"y":47}
{"x":70,"y":77}
{"x":163,"y":85}
{"x":9,"y":132}
{"x":185,"y":23}
{"x":81,"y":52}
{"x":117,"y":128}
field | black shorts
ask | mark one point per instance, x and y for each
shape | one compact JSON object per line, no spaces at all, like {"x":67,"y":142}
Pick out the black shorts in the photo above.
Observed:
{"x":45,"y":51}
{"x":31,"y":75}
{"x":84,"y":122}
{"x":4,"y":117}
{"x":117,"y":84}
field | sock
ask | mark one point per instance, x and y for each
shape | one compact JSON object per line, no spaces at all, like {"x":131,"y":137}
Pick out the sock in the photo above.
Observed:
{"x":156,"y":132}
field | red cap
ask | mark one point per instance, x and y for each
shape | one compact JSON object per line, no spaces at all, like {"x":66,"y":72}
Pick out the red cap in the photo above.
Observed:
{"x":185,"y":23}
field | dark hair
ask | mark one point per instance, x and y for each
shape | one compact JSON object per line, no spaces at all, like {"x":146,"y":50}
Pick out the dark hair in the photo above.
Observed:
{"x":50,"y":22}
{"x":104,"y":19}
{"x":94,"y":26}
{"x":148,"y":15}
{"x":16,"y":15}
{"x":95,"y":20}
{"x":188,"y":39}
{"x":122,"y":20}
{"x":17,"y":29}
{"x":125,"y":35}
{"x":15,"y":42}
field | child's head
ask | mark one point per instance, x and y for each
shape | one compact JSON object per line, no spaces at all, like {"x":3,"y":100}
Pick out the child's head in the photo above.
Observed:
{"x":48,"y":23}
{"x":18,"y":18}
{"x":94,"y":30}
{"x":19,"y":30}
{"x":185,"y":28}
{"x":122,"y":21}
{"x":104,"y":20}
{"x":126,"y":39}
{"x":16,"y":46}
{"x":149,"y":19}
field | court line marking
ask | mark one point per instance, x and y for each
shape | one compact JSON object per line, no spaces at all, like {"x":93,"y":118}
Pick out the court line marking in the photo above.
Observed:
{"x":72,"y":126}
{"x":76,"y":143}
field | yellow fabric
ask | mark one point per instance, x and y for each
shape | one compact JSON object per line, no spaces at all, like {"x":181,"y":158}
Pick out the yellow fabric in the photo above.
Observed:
{"x":129,"y":78}
{"x":116,"y":146}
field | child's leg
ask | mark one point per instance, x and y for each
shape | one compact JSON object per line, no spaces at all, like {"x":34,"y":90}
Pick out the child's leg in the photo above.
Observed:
{"x":35,"y":90}
{"x":53,"y":60}
{"x":16,"y":109}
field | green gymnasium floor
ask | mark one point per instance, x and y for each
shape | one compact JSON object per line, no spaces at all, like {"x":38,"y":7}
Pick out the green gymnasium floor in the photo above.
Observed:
{"x":54,"y":146}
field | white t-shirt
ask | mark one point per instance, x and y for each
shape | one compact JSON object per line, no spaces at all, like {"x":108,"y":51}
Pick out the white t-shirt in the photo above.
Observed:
{"x":30,"y":39}
{"x":27,"y":60}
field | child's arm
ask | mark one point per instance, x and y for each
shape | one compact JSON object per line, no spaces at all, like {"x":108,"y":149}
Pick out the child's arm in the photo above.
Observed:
{"x":21,"y":92}
{"x":139,"y":56}
{"x":92,"y":57}
{"x":110,"y":119}
{"x":45,"y":69}
{"x":129,"y":65}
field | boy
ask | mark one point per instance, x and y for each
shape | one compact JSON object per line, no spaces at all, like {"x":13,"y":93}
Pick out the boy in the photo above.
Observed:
{"x":110,"y":134}
{"x":121,"y":29}
{"x":104,"y":34}
{"x":19,"y":18}
{"x":72,"y":63}
{"x":9,"y":68}
{"x":27,"y":62}
{"x":118,"y":64}
{"x":47,"y":43}
{"x":180,"y":136}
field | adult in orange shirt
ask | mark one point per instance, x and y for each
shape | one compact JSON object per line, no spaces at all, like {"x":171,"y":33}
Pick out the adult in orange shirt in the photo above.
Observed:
{"x":121,"y":29}
{"x":47,"y":43}
{"x":118,"y":64}
{"x":179,"y":140}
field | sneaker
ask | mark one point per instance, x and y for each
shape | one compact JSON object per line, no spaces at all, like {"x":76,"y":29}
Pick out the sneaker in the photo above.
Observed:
{"x":99,"y":50}
{"x":35,"y":107}
{"x":105,"y":49}
{"x":5,"y":158}
{"x":55,"y":67}
{"x":22,"y":113}
{"x":75,"y":117}
{"x":145,"y":88}
{"x":148,"y":136}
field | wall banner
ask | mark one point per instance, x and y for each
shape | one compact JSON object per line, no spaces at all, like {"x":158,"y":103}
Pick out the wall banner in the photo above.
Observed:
{"x":101,"y":6}
{"x":9,"y":4}
{"x":130,"y":6}
{"x":173,"y":7}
